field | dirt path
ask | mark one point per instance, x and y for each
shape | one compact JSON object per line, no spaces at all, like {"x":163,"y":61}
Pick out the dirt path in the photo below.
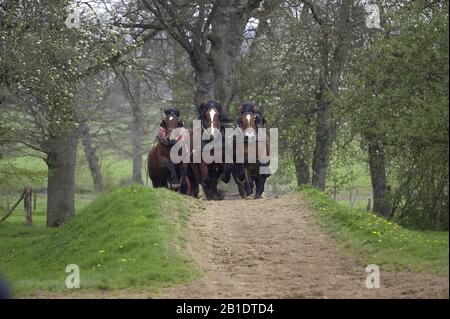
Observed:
{"x":273,"y":248}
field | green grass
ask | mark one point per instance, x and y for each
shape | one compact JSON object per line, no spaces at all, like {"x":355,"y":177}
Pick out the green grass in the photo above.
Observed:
{"x":128,"y":238}
{"x":379,"y":241}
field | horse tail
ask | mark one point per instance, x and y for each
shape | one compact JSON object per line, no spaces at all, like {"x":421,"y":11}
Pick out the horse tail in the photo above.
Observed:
{"x":146,"y":173}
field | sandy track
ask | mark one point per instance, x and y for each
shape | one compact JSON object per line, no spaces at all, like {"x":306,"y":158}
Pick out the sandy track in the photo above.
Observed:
{"x":273,"y":248}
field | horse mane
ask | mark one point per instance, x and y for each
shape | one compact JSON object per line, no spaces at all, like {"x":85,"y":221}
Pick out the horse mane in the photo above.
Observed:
{"x":249,"y":107}
{"x":205,"y":106}
{"x":172,"y":111}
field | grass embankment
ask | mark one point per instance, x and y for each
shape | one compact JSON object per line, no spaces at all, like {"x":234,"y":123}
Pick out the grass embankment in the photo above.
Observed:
{"x":379,"y":241}
{"x":128,"y":238}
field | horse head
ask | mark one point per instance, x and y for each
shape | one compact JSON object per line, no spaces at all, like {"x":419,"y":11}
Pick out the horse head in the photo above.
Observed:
{"x":171,"y":123}
{"x":250,"y":119}
{"x":211,"y":115}
{"x":248,"y":123}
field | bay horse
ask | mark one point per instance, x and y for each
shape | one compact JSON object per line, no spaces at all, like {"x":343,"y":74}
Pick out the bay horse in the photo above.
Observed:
{"x":211,"y":115}
{"x":247,"y":174}
{"x":161,"y":170}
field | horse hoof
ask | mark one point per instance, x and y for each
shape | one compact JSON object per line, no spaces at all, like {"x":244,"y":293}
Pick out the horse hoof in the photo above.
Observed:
{"x":175,"y":186}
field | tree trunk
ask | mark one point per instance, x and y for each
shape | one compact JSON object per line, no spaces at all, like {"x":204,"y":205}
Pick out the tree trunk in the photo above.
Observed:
{"x":215,"y":71}
{"x":322,"y":149}
{"x":61,"y":162}
{"x":381,"y":201}
{"x":27,"y":205}
{"x":91,"y":157}
{"x":138,"y":132}
{"x":228,"y":29}
{"x":302,"y":170}
{"x":328,"y":89}
{"x":203,"y":80}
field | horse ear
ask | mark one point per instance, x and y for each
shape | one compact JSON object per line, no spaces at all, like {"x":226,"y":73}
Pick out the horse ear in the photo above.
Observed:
{"x":260,"y":120}
{"x":201,"y":109}
{"x":180,"y":124}
{"x":219,"y":108}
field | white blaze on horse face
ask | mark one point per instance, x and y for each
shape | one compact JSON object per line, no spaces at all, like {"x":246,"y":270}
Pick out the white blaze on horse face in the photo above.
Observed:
{"x":171,"y":118}
{"x":212,"y":113}
{"x":249,"y":132}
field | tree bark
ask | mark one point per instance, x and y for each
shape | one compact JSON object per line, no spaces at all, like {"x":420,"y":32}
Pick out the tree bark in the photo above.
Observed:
{"x":302,"y":169}
{"x":138,"y":132}
{"x":203,"y":80}
{"x":27,"y":205}
{"x":215,"y":70}
{"x":322,"y":149}
{"x":91,"y":157}
{"x":133,"y":95}
{"x":327,"y":90}
{"x":228,"y":26}
{"x":381,"y":201}
{"x":61,"y":162}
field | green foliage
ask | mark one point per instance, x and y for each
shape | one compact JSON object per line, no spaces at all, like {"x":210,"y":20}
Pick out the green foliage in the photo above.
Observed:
{"x":278,"y":74}
{"x":12,"y":175}
{"x":44,"y":65}
{"x":397,"y":96}
{"x":378,"y":241}
{"x":348,"y":170}
{"x":127,"y":238}
{"x":116,"y":172}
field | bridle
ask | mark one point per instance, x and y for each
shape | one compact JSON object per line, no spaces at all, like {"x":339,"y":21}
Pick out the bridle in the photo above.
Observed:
{"x":241,"y":121}
{"x":206,"y":114}
{"x":170,"y":117}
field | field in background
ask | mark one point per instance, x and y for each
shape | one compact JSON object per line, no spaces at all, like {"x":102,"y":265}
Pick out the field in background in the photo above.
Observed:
{"x":116,"y":171}
{"x":358,"y":191}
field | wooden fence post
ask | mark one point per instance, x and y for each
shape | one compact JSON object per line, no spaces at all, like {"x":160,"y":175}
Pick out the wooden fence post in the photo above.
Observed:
{"x":27,"y":203}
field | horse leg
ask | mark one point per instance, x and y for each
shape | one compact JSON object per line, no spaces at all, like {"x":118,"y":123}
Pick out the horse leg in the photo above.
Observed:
{"x":158,"y":182}
{"x":214,"y":174}
{"x":194,"y":176}
{"x":174,"y":182}
{"x":240,"y":185}
{"x":226,"y":175}
{"x":248,"y":183}
{"x":194,"y":187}
{"x":260,"y":182}
{"x":183,"y":176}
{"x":155,"y":182}
{"x":240,"y":172}
{"x":205,"y":180}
